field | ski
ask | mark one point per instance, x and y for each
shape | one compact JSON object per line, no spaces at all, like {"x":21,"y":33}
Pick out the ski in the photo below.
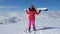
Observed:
{"x":27,"y":32}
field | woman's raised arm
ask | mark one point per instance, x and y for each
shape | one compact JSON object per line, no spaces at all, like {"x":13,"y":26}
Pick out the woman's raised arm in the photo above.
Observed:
{"x":38,"y":12}
{"x":27,"y":12}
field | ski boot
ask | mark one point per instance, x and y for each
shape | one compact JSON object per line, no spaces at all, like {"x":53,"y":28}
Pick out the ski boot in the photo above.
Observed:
{"x":29,"y":30}
{"x":34,"y":29}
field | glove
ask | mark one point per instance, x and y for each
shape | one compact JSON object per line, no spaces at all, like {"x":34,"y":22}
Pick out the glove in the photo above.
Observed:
{"x":39,"y":10}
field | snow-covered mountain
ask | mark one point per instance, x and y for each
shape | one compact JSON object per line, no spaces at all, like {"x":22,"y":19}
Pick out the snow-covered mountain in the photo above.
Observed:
{"x":8,"y":17}
{"x":23,"y":15}
{"x":16,"y":22}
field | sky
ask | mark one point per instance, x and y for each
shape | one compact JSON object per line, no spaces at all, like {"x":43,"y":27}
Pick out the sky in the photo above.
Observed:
{"x":20,"y":5}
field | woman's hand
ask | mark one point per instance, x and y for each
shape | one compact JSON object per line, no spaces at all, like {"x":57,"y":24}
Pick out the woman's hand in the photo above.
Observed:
{"x":39,"y":11}
{"x":26,"y":10}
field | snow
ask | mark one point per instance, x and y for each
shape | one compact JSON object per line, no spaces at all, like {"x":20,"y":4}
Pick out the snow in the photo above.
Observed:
{"x":16,"y":23}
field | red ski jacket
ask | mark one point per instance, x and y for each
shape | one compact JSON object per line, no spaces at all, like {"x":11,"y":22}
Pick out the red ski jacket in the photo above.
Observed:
{"x":32,"y":14}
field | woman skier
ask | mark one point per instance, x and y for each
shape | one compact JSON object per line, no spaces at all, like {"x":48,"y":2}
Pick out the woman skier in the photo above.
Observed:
{"x":31,"y":12}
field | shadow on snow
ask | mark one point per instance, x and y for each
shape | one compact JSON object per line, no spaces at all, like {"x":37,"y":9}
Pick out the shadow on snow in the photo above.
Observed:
{"x":46,"y":28}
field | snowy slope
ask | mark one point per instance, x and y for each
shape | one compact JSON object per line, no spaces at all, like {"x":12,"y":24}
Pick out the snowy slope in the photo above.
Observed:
{"x":16,"y":23}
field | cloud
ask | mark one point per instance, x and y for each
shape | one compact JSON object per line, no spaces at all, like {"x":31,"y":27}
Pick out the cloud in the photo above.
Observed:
{"x":52,"y":14}
{"x":9,"y":6}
